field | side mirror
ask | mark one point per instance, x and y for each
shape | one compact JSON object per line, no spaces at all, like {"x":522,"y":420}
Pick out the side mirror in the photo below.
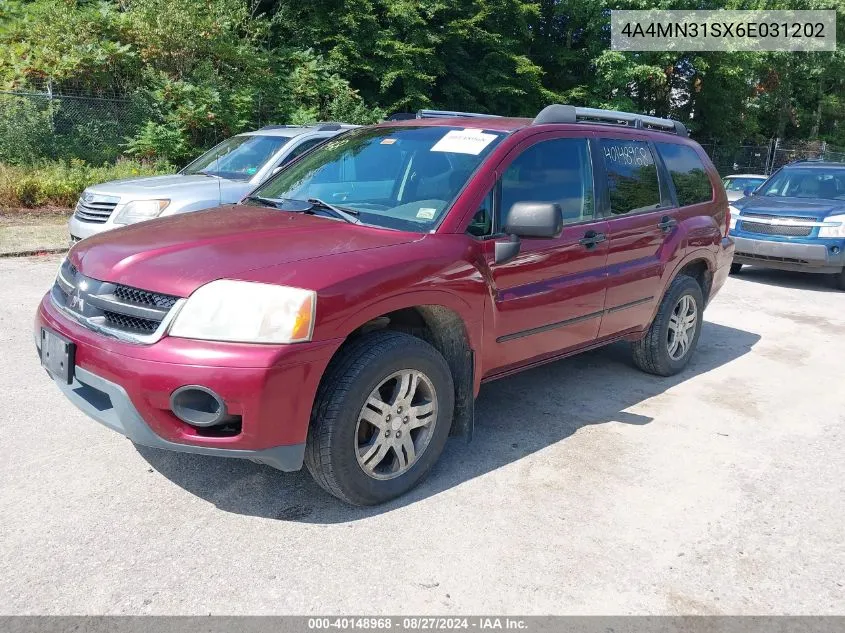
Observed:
{"x":748,"y":191}
{"x":534,"y":219}
{"x":529,"y":220}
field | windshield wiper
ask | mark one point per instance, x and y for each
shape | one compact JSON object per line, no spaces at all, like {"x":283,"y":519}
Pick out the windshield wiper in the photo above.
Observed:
{"x":342,"y":213}
{"x":267,"y":202}
{"x":345,"y":214}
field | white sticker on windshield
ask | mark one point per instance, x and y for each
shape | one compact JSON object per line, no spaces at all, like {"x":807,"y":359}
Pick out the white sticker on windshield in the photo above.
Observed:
{"x":467,"y":141}
{"x":426,"y":213}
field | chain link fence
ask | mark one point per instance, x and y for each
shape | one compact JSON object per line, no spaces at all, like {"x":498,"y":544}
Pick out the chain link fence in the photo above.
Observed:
{"x":39,"y":125}
{"x":766,"y":159}
{"x":42,"y":125}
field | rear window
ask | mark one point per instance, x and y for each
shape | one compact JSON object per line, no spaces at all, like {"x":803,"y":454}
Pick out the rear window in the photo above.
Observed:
{"x":692,"y":184}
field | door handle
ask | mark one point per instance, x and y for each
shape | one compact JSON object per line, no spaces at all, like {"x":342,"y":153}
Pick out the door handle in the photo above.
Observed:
{"x":591,"y":238}
{"x":666,"y":223}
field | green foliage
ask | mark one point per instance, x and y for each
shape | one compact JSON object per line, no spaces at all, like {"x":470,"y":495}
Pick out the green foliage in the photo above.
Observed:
{"x":59,"y":183}
{"x":207,"y":69}
{"x":25,"y":131}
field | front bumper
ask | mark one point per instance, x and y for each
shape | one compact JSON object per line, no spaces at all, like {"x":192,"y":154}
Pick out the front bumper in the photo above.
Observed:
{"x":110,"y":405}
{"x":80,"y":230}
{"x":818,"y":256}
{"x":127,"y":388}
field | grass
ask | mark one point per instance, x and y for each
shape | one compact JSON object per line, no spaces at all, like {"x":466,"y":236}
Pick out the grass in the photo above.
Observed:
{"x":58,"y":184}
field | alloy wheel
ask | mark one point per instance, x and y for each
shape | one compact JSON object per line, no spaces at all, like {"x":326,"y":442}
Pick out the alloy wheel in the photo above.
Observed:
{"x":682,"y":326}
{"x":396,"y":424}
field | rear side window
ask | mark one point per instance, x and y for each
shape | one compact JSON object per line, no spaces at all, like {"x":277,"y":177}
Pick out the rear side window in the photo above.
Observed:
{"x":688,"y":173}
{"x":301,"y":149}
{"x":631,"y":176}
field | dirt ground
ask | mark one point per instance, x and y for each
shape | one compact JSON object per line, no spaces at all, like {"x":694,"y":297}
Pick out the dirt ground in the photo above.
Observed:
{"x":28,"y":230}
{"x":589,"y":488}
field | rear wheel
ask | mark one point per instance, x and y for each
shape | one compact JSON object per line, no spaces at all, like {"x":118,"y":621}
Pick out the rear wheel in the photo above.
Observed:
{"x":381,"y":418}
{"x":735,"y":268}
{"x":673,"y":336}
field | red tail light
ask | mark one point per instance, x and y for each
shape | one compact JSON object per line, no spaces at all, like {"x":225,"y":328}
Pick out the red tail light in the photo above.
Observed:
{"x":727,"y":220}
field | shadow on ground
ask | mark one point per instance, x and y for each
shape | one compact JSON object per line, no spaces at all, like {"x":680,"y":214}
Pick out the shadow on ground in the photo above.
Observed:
{"x":515,"y":417}
{"x":788,"y":279}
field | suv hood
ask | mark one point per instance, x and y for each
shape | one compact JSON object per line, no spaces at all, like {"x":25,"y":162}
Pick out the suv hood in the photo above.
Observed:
{"x":172,"y":186}
{"x":816,"y":208}
{"x":175,"y":255}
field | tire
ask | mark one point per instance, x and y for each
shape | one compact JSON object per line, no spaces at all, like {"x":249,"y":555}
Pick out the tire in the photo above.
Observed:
{"x":334,"y":454}
{"x":735,"y":268}
{"x":840,"y":279}
{"x":652,"y":352}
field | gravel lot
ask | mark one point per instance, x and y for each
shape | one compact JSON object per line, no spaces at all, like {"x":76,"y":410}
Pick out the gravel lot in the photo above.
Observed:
{"x":590,"y":488}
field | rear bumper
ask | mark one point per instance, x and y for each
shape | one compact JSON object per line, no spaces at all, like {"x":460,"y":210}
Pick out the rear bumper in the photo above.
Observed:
{"x":127,"y":388}
{"x":724,"y":257}
{"x":818,"y":256}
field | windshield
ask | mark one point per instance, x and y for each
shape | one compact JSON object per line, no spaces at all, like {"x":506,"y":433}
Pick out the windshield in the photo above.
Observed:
{"x":740,"y":184}
{"x":237,"y":158}
{"x":808,"y":182}
{"x":396,"y":177}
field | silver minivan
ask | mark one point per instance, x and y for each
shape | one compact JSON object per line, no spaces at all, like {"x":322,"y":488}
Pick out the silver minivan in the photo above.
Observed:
{"x":223,"y":175}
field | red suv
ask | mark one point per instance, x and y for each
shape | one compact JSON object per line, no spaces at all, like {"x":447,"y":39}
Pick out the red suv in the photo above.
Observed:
{"x":346,"y":313}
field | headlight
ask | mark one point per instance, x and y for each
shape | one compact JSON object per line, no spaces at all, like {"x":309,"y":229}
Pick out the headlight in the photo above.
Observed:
{"x":247,"y":312}
{"x":140,"y":210}
{"x":734,"y":215}
{"x":834,"y":226}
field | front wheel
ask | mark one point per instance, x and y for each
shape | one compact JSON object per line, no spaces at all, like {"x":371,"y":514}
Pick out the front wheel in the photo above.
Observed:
{"x":735,"y":268}
{"x":670,"y":341}
{"x":840,"y":279}
{"x":381,"y":418}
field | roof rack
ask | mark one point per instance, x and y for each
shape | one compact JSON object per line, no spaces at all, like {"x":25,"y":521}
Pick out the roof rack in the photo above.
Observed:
{"x":450,"y":114}
{"x":322,"y":126}
{"x":437,"y":114}
{"x":401,"y":116}
{"x":558,"y":113}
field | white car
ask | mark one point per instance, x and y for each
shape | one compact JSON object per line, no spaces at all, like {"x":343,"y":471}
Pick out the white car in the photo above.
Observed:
{"x":223,"y":175}
{"x":737,"y":184}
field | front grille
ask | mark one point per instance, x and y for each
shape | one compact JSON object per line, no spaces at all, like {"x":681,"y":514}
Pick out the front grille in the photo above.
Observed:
{"x":766,"y":217}
{"x":95,"y":208}
{"x":776,"y":229}
{"x":129,"y":323}
{"x":771,"y":258}
{"x":142,"y":297}
{"x":122,"y":311}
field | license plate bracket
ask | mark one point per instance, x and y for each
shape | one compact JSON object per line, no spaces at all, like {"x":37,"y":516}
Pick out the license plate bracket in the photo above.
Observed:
{"x":58,"y":355}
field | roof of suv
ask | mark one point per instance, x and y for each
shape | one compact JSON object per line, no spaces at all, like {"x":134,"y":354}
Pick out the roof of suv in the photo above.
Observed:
{"x":556,"y":114}
{"x":295,"y":130}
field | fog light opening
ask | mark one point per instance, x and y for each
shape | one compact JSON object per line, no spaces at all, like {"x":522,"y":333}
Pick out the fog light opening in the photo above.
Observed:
{"x":834,"y":250}
{"x":199,"y":406}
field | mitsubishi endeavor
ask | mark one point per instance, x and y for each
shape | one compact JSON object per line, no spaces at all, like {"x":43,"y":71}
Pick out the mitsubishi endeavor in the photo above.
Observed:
{"x":346,"y":313}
